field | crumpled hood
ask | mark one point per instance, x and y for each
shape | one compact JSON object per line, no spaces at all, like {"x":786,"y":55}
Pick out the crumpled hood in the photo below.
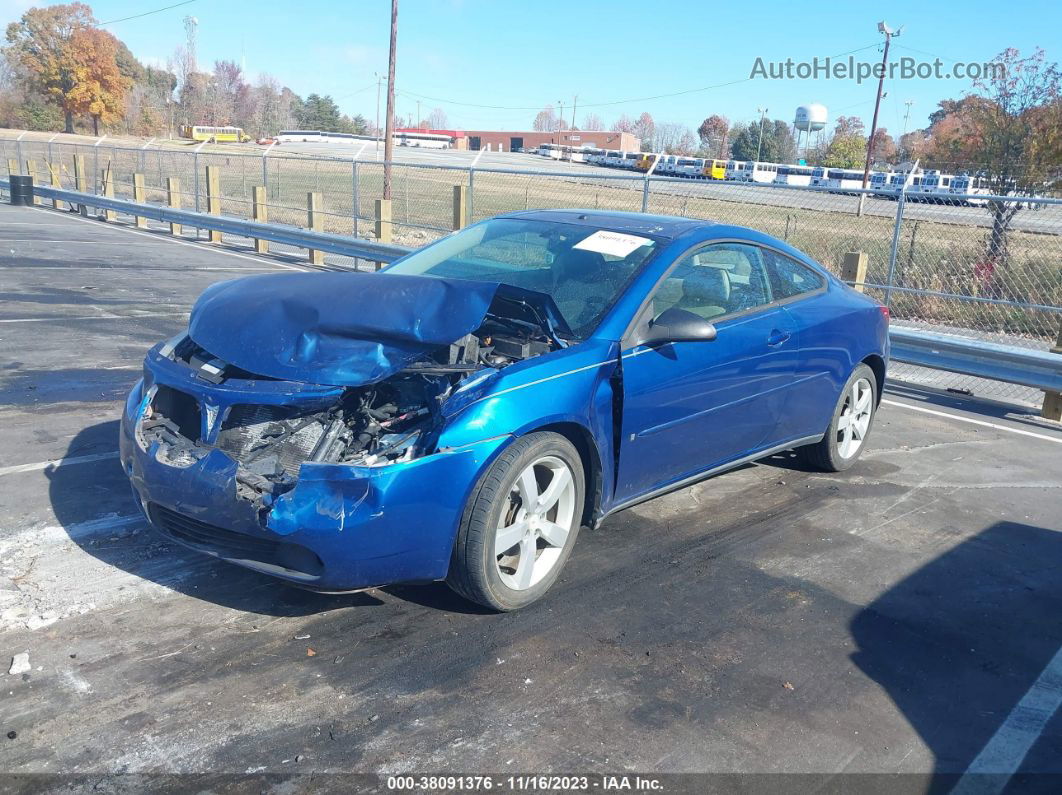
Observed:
{"x":340,"y":329}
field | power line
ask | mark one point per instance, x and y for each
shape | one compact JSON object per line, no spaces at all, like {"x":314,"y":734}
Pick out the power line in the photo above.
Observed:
{"x":146,"y":13}
{"x":613,"y":102}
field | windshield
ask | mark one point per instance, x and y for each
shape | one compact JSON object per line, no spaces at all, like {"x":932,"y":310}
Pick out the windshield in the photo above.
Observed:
{"x":584,"y":269}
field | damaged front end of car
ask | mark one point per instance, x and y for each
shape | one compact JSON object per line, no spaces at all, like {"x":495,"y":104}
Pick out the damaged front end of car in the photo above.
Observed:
{"x":284,"y":436}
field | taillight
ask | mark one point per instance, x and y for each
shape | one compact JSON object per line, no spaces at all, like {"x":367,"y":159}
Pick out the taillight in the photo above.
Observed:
{"x":885,"y":312}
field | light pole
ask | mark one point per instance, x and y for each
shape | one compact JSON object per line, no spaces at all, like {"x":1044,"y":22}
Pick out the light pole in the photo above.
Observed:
{"x":759,"y":145}
{"x":889,"y":33}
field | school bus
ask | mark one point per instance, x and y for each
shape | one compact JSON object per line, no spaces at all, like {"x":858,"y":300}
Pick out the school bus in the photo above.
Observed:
{"x":217,"y":134}
{"x":715,"y":169}
{"x":645,"y":162}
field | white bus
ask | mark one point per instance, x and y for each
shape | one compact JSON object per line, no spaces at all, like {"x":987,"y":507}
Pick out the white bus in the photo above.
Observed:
{"x":611,"y":158}
{"x":734,"y":169}
{"x":755,"y":171}
{"x":692,"y":167}
{"x":935,"y":187}
{"x":593,"y":156}
{"x":554,"y":151}
{"x":629,"y":159}
{"x":881,"y":181}
{"x":971,"y":187}
{"x":793,"y":175}
{"x":838,"y":180}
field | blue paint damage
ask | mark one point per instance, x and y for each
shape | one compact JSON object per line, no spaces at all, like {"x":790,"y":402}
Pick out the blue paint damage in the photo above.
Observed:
{"x":245,"y":439}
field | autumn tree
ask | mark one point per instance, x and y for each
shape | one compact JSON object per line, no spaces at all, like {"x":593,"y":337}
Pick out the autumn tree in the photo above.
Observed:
{"x":849,"y":125}
{"x":42,"y":45}
{"x":713,"y":134}
{"x":884,"y":148}
{"x":1006,"y":130}
{"x":846,"y":151}
{"x":99,"y":86}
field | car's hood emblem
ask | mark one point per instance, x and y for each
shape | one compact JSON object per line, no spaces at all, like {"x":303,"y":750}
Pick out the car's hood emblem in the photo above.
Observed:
{"x":342,"y":329}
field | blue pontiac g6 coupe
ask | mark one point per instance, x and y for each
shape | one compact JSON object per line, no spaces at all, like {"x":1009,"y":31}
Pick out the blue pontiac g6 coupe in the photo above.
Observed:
{"x":463,"y":413}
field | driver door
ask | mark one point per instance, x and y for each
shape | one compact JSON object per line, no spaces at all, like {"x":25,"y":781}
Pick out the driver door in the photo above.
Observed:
{"x":689,"y":406}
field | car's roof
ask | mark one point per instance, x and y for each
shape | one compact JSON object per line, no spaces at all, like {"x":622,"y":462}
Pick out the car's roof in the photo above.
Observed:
{"x":665,"y":226}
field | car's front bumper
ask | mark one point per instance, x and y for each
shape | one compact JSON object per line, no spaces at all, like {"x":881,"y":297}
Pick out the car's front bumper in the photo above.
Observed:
{"x":341,"y":528}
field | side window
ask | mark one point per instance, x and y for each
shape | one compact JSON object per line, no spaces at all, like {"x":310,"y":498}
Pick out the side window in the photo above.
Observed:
{"x":716,"y":280}
{"x":789,"y":277}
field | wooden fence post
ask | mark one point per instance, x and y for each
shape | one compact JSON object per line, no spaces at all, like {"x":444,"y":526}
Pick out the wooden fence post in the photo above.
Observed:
{"x":54,"y":172}
{"x":383,"y":220}
{"x":460,"y":207}
{"x":108,"y":191}
{"x":1052,"y":408}
{"x":260,"y":213}
{"x":79,"y":181}
{"x":138,"y":196}
{"x":12,"y":167}
{"x":173,"y":199}
{"x":854,"y":269}
{"x":31,"y":169}
{"x":213,"y":185}
{"x":315,"y":221}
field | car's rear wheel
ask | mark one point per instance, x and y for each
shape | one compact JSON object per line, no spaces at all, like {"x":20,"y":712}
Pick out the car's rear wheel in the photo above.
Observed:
{"x":521,"y":523}
{"x":849,"y":426}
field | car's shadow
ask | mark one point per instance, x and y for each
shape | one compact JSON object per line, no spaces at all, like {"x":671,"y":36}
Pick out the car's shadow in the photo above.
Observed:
{"x":94,"y":503}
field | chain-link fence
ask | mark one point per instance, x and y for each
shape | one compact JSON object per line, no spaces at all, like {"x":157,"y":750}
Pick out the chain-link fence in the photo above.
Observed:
{"x":963,"y":264}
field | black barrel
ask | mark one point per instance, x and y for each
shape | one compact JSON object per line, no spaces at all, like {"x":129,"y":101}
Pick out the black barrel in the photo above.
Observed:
{"x":21,"y":189}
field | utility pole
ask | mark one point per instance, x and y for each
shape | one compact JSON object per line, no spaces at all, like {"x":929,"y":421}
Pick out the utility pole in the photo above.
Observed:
{"x":389,"y":131}
{"x":907,"y":115}
{"x":379,"y":81}
{"x":418,"y":113}
{"x":575,"y":101}
{"x":889,"y":33}
{"x":759,"y":145}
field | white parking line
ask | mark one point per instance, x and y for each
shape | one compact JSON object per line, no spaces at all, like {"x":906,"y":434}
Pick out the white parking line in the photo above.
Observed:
{"x":972,"y":421}
{"x":58,"y":462}
{"x":990,"y":771}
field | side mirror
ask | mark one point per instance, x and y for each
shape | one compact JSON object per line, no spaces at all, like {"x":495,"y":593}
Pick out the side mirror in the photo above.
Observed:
{"x":678,"y":325}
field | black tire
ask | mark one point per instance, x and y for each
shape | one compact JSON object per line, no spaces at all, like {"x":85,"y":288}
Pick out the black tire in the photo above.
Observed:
{"x":825,"y":455}
{"x":474,"y":571}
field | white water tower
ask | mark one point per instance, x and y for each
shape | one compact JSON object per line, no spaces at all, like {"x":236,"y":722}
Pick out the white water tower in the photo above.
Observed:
{"x":808,"y":119}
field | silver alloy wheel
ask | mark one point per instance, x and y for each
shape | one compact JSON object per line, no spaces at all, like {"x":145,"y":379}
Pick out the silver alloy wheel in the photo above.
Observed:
{"x":854,"y":422}
{"x":536,"y":523}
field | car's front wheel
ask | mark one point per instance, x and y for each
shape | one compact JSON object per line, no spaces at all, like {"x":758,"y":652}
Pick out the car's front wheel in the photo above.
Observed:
{"x":521,"y":523}
{"x":849,"y":426}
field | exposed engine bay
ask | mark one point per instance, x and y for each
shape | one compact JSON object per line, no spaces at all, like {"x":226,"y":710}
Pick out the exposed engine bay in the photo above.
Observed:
{"x":393,"y":420}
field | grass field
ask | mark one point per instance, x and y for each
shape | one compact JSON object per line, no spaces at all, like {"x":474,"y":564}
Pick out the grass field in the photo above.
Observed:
{"x":931,"y":255}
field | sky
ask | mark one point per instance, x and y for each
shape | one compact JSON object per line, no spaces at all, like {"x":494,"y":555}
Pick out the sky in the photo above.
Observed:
{"x":491,"y":64}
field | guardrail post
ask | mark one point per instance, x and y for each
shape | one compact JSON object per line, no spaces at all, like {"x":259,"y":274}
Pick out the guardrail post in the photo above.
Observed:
{"x":383,"y":220}
{"x":54,"y":172}
{"x":173,"y":199}
{"x":108,"y":191}
{"x":315,"y":221}
{"x":460,"y":207}
{"x":140,"y":197}
{"x":1052,"y":408}
{"x":854,"y":269}
{"x":79,"y":181}
{"x":260,"y":213}
{"x":213,"y":186}
{"x":31,"y":169}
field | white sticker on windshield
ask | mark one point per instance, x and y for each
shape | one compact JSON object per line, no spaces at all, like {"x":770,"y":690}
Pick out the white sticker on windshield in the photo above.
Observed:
{"x":615,"y":244}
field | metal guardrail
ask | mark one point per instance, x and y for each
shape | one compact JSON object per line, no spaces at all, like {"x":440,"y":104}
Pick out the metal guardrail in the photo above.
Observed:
{"x":1024,"y":366}
{"x":274,"y":233}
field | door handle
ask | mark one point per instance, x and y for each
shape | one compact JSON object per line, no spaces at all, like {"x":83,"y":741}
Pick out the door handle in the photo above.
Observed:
{"x":777,"y":337}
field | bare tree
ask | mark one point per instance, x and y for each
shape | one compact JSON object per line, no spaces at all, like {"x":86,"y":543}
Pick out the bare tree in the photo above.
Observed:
{"x":591,"y":121}
{"x":713,"y":134}
{"x":437,"y":119}
{"x":645,"y":129}
{"x":623,"y":124}
{"x":545,"y":120}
